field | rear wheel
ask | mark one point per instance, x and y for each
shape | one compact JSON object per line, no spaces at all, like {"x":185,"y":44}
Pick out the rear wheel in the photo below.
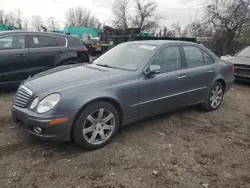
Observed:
{"x":215,"y":97}
{"x":96,"y":125}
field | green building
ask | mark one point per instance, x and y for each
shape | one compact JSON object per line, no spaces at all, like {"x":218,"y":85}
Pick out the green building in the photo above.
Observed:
{"x":83,"y":33}
{"x":6,"y":28}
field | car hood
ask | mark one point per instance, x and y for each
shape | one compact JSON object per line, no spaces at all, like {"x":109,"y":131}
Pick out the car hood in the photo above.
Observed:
{"x":66,"y":77}
{"x":239,"y":60}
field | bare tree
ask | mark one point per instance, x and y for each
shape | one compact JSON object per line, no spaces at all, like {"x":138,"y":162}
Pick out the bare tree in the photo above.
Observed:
{"x":228,"y":16}
{"x":37,"y":22}
{"x":4,"y":18}
{"x":7,"y":18}
{"x":18,"y":19}
{"x":81,"y":17}
{"x":52,"y":24}
{"x":121,"y":11}
{"x":165,"y":31}
{"x":199,"y":29}
{"x":145,"y":16}
{"x":160,"y":33}
{"x":13,"y":19}
{"x":176,"y":29}
{"x":25,"y":24}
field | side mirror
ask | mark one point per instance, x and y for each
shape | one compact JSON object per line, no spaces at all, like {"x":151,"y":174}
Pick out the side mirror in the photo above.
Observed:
{"x":153,"y":69}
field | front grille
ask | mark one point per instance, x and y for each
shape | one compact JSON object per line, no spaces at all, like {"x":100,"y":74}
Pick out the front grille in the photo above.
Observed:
{"x":22,"y":96}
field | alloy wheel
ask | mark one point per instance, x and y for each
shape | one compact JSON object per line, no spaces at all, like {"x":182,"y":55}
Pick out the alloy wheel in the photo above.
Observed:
{"x":98,"y":126}
{"x":216,"y":97}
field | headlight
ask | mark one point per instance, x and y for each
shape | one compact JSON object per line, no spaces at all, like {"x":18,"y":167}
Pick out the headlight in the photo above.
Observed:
{"x":34,"y":103}
{"x":48,"y":103}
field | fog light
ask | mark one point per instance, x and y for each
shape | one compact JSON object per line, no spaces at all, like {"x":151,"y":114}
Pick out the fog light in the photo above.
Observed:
{"x":37,"y":130}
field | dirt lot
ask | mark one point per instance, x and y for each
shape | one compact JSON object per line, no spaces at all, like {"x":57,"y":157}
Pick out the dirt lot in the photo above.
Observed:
{"x":188,"y":148}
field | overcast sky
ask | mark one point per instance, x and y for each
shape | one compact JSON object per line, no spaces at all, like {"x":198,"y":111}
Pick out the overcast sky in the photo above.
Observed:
{"x":171,"y":10}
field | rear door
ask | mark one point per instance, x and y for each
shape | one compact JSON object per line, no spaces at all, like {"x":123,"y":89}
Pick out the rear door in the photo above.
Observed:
{"x":44,"y":52}
{"x":200,"y":71}
{"x":13,"y":58}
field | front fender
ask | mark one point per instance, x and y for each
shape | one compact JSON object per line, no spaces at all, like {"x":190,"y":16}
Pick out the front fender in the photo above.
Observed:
{"x":74,"y":104}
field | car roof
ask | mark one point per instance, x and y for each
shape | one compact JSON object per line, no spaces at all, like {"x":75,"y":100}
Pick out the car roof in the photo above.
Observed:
{"x":161,"y":42}
{"x":32,"y":32}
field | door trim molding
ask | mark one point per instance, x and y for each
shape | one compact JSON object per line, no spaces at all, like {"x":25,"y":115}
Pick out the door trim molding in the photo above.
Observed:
{"x":168,"y":96}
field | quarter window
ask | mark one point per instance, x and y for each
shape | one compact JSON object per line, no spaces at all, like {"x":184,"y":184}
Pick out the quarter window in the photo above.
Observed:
{"x":61,"y":41}
{"x":168,"y":58}
{"x":40,"y":41}
{"x":207,"y":58}
{"x":194,"y":56}
{"x":12,"y":42}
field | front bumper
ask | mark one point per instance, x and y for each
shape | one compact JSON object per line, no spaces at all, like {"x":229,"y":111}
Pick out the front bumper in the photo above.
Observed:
{"x":29,"y":119}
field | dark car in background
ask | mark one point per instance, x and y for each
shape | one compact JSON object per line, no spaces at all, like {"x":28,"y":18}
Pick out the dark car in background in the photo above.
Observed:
{"x":131,"y":81}
{"x":24,"y":54}
{"x":241,"y":62}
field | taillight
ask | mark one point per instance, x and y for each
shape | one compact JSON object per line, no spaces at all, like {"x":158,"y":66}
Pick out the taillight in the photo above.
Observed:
{"x":82,"y":51}
{"x":233,"y":70}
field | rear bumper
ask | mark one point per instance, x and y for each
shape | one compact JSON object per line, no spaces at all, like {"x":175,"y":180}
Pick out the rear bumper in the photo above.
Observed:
{"x":229,"y":85}
{"x":28,"y":120}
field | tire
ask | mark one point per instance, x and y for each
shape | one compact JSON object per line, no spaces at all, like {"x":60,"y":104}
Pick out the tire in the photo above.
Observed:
{"x":96,"y":125}
{"x":209,"y":105}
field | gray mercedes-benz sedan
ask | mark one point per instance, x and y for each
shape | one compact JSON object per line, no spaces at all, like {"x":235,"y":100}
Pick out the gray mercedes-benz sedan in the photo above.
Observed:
{"x":88,"y":103}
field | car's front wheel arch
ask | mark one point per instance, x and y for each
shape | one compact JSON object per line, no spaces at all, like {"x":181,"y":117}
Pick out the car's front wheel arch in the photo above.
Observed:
{"x":112,"y":101}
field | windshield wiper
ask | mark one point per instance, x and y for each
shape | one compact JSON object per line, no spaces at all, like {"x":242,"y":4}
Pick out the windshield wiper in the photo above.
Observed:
{"x":104,"y":65}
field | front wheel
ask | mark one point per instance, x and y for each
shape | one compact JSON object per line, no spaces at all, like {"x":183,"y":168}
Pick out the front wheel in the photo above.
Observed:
{"x":96,"y":125}
{"x":215,"y":97}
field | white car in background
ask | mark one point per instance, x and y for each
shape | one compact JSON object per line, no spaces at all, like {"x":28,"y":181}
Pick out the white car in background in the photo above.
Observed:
{"x":241,"y":62}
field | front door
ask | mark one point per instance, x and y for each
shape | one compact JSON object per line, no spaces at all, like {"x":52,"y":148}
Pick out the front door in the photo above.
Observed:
{"x":165,"y":90}
{"x":13,"y":57}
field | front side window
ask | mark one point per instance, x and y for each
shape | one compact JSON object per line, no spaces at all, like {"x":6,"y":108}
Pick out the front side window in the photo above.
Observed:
{"x":169,"y":59}
{"x":40,"y":41}
{"x":194,"y":56}
{"x":12,"y":42}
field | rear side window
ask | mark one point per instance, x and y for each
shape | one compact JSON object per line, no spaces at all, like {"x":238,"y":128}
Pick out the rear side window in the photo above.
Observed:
{"x":12,"y":42}
{"x":194,"y":56}
{"x":75,"y":42}
{"x":207,"y":58}
{"x":41,"y":41}
{"x":61,"y":41}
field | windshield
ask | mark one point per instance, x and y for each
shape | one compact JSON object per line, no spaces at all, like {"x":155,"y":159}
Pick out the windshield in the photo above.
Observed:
{"x":126,"y":56}
{"x":244,"y":53}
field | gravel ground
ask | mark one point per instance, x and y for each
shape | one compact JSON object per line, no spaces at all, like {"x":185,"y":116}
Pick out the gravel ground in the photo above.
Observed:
{"x":188,"y":148}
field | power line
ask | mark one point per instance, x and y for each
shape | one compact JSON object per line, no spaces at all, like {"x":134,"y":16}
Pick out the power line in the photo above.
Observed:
{"x":173,"y":10}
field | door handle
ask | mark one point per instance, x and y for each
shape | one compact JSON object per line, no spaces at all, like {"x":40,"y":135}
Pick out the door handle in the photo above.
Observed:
{"x":182,"y":76}
{"x":60,"y":52}
{"x":21,"y":55}
{"x":210,"y":71}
